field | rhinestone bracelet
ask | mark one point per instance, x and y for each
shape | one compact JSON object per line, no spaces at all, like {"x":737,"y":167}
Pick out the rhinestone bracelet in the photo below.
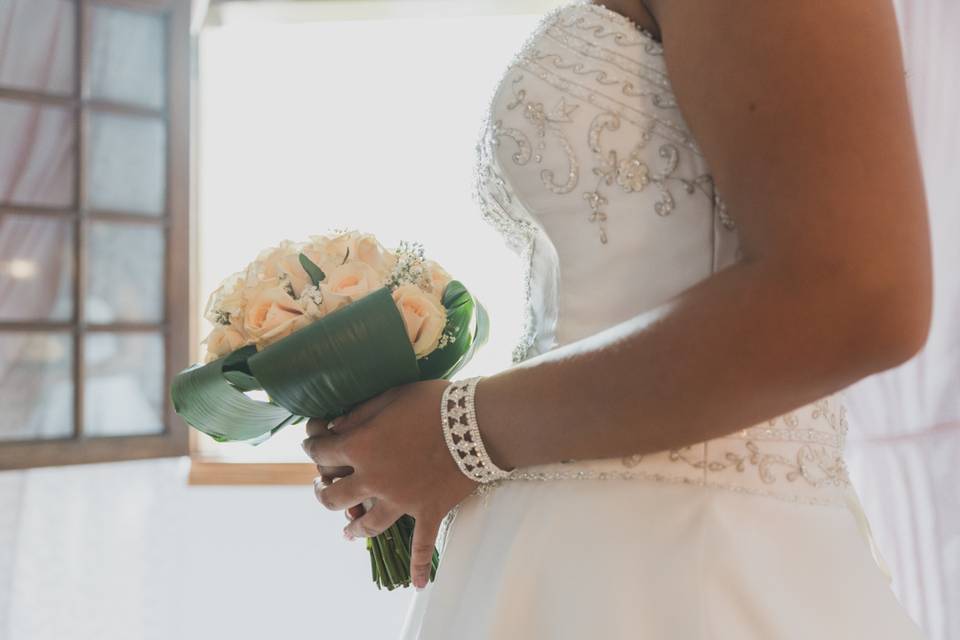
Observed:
{"x":458,"y":417}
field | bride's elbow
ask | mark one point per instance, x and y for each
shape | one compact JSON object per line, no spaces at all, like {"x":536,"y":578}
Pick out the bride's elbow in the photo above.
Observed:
{"x":887,"y":326}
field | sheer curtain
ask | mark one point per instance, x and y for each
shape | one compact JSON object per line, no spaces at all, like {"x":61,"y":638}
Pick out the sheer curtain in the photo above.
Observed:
{"x":36,"y":167}
{"x":904,"y":451}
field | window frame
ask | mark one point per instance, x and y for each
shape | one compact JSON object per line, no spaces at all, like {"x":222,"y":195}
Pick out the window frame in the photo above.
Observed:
{"x":175,"y":220}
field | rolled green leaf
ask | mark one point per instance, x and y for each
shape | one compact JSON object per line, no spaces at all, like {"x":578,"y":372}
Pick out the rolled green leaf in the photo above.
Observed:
{"x":206,"y":399}
{"x":339,"y":361}
{"x":324,"y":369}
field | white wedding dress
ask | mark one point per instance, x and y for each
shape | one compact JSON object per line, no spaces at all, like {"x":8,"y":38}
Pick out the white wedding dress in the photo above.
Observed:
{"x":588,"y":169}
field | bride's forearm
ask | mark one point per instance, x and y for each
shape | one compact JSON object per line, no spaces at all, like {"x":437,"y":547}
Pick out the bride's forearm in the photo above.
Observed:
{"x":743,"y":346}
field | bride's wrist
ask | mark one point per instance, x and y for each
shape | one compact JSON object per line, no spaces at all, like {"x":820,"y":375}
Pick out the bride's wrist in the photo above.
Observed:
{"x":462,"y":433}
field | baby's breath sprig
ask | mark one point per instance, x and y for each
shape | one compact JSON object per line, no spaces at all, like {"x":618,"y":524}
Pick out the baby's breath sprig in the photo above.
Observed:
{"x":409,"y":268}
{"x":313,"y":294}
{"x":446,"y":338}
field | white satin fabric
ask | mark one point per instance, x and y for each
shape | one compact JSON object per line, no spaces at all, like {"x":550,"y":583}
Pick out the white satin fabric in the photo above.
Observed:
{"x":588,"y":169}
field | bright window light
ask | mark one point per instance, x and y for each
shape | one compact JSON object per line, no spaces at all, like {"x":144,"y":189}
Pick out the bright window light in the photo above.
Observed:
{"x":367,"y":124}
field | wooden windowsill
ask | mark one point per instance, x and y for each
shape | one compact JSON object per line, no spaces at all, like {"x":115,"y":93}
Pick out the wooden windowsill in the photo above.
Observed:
{"x":221,"y":472}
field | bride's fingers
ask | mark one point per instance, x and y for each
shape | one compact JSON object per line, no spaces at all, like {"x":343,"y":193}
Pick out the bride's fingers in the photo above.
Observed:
{"x":318,"y":427}
{"x":326,"y":451}
{"x":372,"y":523}
{"x":341,"y":494}
{"x":331,"y":473}
{"x":362,"y":412}
{"x":421,"y":550}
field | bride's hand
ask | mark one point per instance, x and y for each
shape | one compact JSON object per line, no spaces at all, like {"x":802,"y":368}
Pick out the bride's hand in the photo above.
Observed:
{"x":400,"y":462}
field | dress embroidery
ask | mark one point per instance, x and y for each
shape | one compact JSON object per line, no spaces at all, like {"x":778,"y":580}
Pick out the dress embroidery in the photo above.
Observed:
{"x":546,"y":123}
{"x":790,"y":464}
{"x":630,"y":79}
{"x":629,"y":171}
{"x":496,"y":203}
{"x":632,"y":173}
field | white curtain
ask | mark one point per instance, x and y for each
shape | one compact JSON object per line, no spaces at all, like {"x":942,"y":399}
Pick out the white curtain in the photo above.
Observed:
{"x":36,"y":167}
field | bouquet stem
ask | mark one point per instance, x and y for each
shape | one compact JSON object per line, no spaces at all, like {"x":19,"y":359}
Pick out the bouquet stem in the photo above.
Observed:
{"x":390,"y":555}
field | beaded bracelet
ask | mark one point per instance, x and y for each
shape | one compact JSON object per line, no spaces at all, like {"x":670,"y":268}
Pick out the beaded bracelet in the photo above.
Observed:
{"x":462,"y":434}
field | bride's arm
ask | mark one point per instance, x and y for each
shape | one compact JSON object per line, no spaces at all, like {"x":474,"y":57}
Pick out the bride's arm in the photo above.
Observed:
{"x":803,"y":116}
{"x":804,"y":119}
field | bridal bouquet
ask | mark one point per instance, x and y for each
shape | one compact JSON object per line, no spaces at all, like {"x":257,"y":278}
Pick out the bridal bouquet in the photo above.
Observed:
{"x":318,"y":327}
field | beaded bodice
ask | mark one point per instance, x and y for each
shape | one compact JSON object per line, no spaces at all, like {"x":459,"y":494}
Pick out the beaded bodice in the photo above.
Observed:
{"x":588,"y":169}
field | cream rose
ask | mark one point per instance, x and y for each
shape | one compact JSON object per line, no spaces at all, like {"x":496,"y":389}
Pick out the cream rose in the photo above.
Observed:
{"x":329,"y":252}
{"x":222,"y":341}
{"x":282,"y":262}
{"x":349,"y":282}
{"x":226,"y":301}
{"x":423,"y":317}
{"x":296,"y":275}
{"x":366,"y":249}
{"x":265,"y":266}
{"x":271,"y":314}
{"x":437,"y":276}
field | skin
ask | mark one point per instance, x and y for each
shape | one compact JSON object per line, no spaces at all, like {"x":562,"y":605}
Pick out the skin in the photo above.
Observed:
{"x":801,"y":110}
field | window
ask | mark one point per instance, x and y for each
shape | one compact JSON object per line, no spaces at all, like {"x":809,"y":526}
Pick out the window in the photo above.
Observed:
{"x":319,"y":115}
{"x":94,"y":228}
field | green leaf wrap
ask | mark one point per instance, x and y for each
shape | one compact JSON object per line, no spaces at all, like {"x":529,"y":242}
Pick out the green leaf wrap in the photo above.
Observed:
{"x":205,"y":399}
{"x":324,"y":369}
{"x":350,"y":356}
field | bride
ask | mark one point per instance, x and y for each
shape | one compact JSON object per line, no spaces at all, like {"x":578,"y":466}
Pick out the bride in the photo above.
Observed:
{"x":720,"y":211}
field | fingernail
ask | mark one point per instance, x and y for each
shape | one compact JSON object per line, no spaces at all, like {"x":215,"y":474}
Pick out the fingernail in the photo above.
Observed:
{"x":420,"y":581}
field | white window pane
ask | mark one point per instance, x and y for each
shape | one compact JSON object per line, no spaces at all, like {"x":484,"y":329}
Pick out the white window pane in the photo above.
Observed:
{"x":126,"y":164}
{"x":36,"y":154}
{"x":36,"y":268}
{"x":127,"y":56}
{"x":123,"y":386}
{"x":125,"y":280}
{"x":37,"y":38}
{"x":36,"y":385}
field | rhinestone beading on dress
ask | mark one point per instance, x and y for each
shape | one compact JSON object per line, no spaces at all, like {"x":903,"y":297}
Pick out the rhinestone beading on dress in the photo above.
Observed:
{"x":797,"y":457}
